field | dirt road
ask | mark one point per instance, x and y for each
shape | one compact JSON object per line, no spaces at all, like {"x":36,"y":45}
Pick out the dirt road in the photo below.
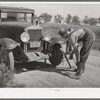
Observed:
{"x":39,"y":75}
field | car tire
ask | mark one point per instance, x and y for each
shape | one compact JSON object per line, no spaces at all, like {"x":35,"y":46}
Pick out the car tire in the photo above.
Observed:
{"x":56,"y":56}
{"x":11,"y":61}
{"x":7,"y":58}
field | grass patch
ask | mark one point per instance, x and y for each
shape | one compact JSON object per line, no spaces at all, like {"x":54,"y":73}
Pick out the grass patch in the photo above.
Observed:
{"x":6,"y":78}
{"x":6,"y":75}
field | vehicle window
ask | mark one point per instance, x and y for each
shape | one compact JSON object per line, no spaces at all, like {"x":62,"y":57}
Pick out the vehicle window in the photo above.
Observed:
{"x":28,"y":17}
{"x":19,"y":17}
{"x":3,"y":16}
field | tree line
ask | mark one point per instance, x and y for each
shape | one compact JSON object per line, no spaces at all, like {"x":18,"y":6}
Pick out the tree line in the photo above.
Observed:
{"x":45,"y":17}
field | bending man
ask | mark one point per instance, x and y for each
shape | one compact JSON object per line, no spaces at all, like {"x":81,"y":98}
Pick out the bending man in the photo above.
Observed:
{"x":87,"y":37}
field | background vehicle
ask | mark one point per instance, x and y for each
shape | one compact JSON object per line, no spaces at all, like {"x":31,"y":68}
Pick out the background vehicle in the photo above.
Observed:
{"x":22,"y":39}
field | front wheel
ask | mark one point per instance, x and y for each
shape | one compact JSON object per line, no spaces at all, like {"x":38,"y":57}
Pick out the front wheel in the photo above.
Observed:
{"x":11,"y":61}
{"x":56,"y":56}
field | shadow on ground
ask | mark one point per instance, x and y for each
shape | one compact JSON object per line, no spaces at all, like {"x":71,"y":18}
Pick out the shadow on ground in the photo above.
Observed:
{"x":31,"y":66}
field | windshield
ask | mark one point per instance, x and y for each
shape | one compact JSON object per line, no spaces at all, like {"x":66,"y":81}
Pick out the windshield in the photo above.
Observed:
{"x":19,"y":17}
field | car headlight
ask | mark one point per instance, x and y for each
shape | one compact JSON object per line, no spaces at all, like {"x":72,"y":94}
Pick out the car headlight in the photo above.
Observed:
{"x":47,"y":37}
{"x":25,"y":37}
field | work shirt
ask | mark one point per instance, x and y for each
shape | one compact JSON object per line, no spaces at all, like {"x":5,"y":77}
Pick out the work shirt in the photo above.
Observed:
{"x":75,"y":36}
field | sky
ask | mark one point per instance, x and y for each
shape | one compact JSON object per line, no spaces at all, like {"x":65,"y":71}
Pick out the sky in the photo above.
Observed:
{"x":63,"y":8}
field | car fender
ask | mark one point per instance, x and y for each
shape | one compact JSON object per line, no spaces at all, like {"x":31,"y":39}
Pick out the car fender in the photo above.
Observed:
{"x":59,"y":41}
{"x":8,"y":43}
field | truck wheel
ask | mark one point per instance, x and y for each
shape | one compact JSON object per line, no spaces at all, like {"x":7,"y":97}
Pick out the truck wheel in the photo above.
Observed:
{"x":7,"y":58}
{"x":56,"y":56}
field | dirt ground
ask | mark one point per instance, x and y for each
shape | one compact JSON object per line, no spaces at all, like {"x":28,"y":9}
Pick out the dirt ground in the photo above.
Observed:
{"x":40,"y":75}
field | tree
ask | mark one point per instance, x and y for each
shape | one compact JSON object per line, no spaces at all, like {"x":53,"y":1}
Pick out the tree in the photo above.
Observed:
{"x":68,"y":18}
{"x":86,"y":20}
{"x":92,"y":21}
{"x":76,"y":20}
{"x":45,"y":17}
{"x":58,"y":18}
{"x":99,"y":20}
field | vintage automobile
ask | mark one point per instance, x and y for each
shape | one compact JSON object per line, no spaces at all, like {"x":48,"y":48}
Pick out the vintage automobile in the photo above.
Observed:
{"x":22,"y":39}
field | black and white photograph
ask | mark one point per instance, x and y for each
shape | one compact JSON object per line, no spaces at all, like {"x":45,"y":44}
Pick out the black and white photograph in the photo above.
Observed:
{"x":49,"y":45}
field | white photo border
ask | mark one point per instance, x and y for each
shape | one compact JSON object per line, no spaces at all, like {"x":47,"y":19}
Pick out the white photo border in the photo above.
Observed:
{"x":47,"y":93}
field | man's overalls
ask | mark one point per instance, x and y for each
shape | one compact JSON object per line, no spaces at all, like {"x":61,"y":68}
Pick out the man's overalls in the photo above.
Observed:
{"x":87,"y":40}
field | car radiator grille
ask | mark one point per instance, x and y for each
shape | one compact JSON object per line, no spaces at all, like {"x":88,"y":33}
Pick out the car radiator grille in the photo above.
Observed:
{"x":35,"y":35}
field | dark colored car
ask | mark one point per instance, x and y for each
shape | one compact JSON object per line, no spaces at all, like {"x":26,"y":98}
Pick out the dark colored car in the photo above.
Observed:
{"x":22,"y":39}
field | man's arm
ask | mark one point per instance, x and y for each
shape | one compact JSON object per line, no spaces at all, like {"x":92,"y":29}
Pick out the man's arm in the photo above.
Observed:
{"x":73,"y":41}
{"x":76,"y":52}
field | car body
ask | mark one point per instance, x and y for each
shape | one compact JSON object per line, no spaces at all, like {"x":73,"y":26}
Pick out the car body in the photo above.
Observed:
{"x":22,"y":35}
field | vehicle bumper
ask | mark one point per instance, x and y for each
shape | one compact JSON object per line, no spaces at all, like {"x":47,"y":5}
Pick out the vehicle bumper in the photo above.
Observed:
{"x":34,"y":56}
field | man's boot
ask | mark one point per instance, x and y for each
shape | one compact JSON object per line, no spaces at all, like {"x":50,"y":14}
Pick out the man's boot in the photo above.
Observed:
{"x":77,"y":75}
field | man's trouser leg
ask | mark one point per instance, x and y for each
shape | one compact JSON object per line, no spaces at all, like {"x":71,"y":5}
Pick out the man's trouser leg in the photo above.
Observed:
{"x":84,"y":53}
